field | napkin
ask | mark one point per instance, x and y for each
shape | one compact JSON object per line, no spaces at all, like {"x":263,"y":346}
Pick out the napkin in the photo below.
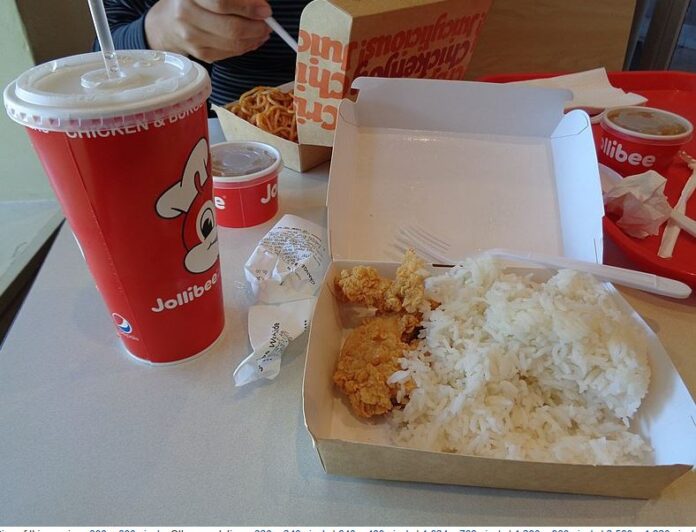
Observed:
{"x":271,"y":329}
{"x":640,"y":202}
{"x":591,"y":90}
{"x":289,"y":262}
{"x":285,"y":272}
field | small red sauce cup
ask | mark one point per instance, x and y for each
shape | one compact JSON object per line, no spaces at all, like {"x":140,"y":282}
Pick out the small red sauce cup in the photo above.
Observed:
{"x":636,"y":139}
{"x":245,"y":182}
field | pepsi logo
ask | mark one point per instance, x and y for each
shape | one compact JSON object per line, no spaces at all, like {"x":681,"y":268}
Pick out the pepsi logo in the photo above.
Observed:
{"x":122,"y":323}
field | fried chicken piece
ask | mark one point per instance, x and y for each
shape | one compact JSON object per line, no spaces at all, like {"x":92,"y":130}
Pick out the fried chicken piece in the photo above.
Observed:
{"x":409,"y":285}
{"x":365,"y":286}
{"x":370,"y":355}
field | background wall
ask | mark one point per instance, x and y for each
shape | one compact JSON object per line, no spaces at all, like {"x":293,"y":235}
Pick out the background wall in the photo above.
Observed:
{"x":552,"y":36}
{"x":56,"y":28}
{"x":32,"y":32}
{"x":21,"y":175}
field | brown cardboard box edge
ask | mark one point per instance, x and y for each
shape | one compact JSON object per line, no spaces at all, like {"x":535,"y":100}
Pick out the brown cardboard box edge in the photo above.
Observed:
{"x":364,"y":460}
{"x":297,"y":157}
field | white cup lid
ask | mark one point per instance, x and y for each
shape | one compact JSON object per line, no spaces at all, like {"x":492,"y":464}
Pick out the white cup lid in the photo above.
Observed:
{"x":75,"y":94}
{"x":233,"y":162}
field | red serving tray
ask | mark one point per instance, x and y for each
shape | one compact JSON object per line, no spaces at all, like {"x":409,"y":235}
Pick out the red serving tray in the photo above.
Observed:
{"x":672,"y":91}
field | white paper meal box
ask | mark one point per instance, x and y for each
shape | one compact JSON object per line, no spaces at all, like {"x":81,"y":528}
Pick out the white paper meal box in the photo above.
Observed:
{"x":481,"y":166}
{"x":355,"y":447}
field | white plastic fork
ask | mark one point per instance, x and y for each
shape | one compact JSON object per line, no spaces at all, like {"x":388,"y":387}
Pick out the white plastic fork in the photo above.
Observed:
{"x":292,"y":43}
{"x":678,"y":218}
{"x":435,"y":248}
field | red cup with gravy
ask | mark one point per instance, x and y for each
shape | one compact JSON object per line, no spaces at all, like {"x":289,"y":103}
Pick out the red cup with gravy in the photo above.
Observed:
{"x":245,"y":182}
{"x":636,"y":139}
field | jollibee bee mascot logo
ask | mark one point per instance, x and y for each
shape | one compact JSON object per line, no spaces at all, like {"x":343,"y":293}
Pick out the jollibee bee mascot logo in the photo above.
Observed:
{"x":191,"y":198}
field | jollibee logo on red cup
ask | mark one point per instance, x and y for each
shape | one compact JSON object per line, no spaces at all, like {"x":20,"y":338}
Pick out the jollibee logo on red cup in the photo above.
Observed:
{"x":186,"y":199}
{"x":615,"y":150}
{"x":271,"y":192}
{"x":185,"y":296}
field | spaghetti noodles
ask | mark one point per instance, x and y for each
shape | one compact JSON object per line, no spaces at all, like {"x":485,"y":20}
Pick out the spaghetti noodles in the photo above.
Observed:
{"x":270,"y":109}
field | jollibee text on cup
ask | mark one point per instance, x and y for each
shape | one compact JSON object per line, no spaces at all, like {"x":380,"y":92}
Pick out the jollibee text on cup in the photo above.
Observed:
{"x":245,"y":177}
{"x":129,"y":161}
{"x":635,"y":139}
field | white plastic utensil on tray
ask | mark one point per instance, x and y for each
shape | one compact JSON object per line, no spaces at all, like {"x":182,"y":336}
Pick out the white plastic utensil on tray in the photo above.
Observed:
{"x":631,"y":278}
{"x":669,"y":237}
{"x":292,"y":43}
{"x":435,"y":248}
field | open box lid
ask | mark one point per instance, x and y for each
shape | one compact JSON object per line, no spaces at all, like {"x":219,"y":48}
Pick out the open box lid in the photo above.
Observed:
{"x":478,"y":165}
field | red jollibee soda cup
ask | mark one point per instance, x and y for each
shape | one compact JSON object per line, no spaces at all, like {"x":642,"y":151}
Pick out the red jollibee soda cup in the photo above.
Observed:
{"x":245,"y":181}
{"x":129,"y":161}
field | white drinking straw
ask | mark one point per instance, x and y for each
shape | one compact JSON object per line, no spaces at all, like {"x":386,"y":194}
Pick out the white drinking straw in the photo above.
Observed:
{"x":292,"y":43}
{"x":106,"y":43}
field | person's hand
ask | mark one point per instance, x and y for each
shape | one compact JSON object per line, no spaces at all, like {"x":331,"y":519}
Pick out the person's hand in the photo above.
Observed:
{"x":208,"y":30}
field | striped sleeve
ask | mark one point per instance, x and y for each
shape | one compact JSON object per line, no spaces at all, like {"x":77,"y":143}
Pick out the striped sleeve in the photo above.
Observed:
{"x":127,"y":22}
{"x":271,"y":64}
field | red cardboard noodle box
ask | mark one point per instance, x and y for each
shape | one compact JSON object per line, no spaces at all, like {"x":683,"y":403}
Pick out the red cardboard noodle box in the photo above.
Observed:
{"x":131,"y":168}
{"x":341,"y":40}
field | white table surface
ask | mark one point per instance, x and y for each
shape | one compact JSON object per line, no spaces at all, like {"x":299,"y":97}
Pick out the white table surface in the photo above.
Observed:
{"x":24,"y":228}
{"x":90,"y":437}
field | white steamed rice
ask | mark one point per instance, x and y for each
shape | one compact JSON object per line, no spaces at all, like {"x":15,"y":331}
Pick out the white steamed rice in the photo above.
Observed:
{"x":512,"y":368}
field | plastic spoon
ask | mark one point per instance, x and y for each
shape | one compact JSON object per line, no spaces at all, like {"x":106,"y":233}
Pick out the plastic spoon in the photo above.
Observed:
{"x":621,"y":276}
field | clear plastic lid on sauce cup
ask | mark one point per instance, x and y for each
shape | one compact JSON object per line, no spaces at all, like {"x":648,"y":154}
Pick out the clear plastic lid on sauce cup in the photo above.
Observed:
{"x":245,"y":182}
{"x":635,"y":139}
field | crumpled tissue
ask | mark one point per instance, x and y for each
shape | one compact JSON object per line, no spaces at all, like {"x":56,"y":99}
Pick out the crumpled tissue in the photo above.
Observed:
{"x":271,"y":329}
{"x":285,"y":271}
{"x":289,"y":262}
{"x":639,"y":201}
